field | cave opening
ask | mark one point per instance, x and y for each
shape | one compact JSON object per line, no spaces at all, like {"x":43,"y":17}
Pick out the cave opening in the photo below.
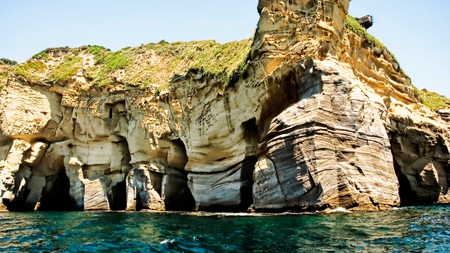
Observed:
{"x":408,"y":197}
{"x":176,"y":193}
{"x":117,"y":196}
{"x":175,"y":190}
{"x":248,"y":166}
{"x":118,"y":201}
{"x":42,"y":192}
{"x":56,"y":196}
{"x":251,"y":136}
{"x":18,"y":203}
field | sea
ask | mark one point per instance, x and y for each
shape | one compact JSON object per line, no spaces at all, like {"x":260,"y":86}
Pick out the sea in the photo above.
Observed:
{"x":409,"y":229}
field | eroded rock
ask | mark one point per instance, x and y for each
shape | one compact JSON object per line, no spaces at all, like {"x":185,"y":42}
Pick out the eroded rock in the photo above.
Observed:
{"x":319,"y":120}
{"x":143,"y":189}
{"x":365,"y":21}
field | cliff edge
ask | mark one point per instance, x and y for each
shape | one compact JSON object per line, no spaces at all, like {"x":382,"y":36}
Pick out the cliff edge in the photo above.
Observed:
{"x":310,"y":114}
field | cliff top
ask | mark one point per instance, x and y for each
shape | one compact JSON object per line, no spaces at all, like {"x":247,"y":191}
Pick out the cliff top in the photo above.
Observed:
{"x":158,"y":63}
{"x":153,"y":63}
{"x":433,"y":100}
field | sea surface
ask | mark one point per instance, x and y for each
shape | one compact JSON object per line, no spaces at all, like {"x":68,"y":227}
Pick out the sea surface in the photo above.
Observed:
{"x":417,"y":229}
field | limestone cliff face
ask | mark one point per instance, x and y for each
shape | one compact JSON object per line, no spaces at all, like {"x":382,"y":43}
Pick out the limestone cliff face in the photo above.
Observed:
{"x":317,"y":119}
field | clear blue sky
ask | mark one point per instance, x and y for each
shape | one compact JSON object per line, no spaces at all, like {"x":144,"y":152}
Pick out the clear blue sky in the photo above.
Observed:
{"x":417,"y":32}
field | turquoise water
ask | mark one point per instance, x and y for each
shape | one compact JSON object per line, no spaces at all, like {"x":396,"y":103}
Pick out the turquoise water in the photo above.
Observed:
{"x":419,"y":229}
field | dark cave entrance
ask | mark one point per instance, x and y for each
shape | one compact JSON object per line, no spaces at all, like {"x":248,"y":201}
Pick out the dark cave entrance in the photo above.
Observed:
{"x":251,"y":136}
{"x":117,"y":195}
{"x":175,"y":190}
{"x":57,"y":197}
{"x":53,"y":196}
{"x":408,"y":197}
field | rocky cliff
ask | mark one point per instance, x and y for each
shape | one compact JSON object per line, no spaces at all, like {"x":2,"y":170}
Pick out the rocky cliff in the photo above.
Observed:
{"x":310,"y":114}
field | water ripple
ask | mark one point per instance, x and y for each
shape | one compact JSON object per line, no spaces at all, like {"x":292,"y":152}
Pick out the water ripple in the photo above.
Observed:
{"x":420,"y":229}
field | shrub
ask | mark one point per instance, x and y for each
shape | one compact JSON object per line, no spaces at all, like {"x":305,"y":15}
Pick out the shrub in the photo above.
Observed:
{"x":433,"y":100}
{"x":66,"y":69}
{"x":97,"y":51}
{"x":227,"y":62}
{"x":163,"y":42}
{"x":107,"y":65}
{"x":114,"y":61}
{"x":354,"y":26}
{"x":30,"y":70}
{"x":8,"y":61}
{"x":44,"y":53}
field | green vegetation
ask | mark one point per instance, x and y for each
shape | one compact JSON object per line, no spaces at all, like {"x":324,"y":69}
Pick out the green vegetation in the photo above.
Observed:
{"x":7,"y":62}
{"x":30,"y":70}
{"x":153,"y":63}
{"x":161,"y":88}
{"x":159,"y":62}
{"x":163,"y":42}
{"x":226,"y":61}
{"x":430,"y":99}
{"x":35,"y":69}
{"x":97,"y":51}
{"x":106,"y":64}
{"x":44,"y":53}
{"x":65,"y":70}
{"x":117,"y":60}
{"x":353,"y":25}
{"x":433,"y":100}
{"x":416,"y":90}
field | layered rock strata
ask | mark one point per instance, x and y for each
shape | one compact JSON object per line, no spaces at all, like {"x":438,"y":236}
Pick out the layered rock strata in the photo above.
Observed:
{"x":319,"y":119}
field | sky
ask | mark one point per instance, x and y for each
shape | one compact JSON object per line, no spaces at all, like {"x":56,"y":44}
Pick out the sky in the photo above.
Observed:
{"x":417,"y":32}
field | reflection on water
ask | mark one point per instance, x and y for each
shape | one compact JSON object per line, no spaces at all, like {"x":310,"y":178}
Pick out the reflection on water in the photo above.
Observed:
{"x":420,"y":229}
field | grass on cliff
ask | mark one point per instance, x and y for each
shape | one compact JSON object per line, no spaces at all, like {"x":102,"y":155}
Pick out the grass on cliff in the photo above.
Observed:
{"x":97,"y":51}
{"x":353,"y":25}
{"x":44,"y":54}
{"x":227,"y":61}
{"x":433,"y":100}
{"x":65,"y":70}
{"x":209,"y":56}
{"x":35,"y":69}
{"x":31,"y":70}
{"x":106,"y":63}
{"x":157,"y":63}
{"x":153,"y":63}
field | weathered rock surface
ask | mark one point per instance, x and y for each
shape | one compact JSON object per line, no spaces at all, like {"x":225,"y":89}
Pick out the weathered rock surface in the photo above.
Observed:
{"x":365,"y":21}
{"x":320,"y":119}
{"x":143,"y":189}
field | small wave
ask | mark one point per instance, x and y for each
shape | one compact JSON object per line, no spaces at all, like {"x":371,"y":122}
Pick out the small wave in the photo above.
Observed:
{"x":167,"y":241}
{"x":338,"y":210}
{"x":226,"y":214}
